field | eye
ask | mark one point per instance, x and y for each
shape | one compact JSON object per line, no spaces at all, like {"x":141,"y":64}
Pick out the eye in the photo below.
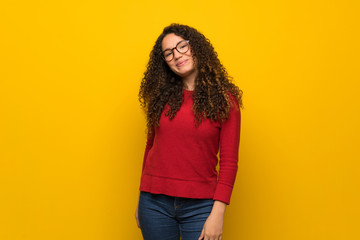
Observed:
{"x":182,"y":45}
{"x":167,"y":53}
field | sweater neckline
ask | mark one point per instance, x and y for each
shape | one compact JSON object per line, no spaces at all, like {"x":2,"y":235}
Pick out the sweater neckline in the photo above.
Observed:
{"x":187,"y":91}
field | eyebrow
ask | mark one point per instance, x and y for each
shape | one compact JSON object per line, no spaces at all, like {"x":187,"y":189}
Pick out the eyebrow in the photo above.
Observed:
{"x":174,"y":47}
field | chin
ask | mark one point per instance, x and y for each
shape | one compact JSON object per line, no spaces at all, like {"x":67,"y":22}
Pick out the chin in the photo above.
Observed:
{"x":186,"y":71}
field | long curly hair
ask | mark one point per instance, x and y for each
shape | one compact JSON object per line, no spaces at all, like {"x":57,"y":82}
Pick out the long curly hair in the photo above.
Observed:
{"x":161,"y":86}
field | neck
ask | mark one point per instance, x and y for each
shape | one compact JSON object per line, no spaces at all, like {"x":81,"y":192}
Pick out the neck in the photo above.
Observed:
{"x":189,"y":81}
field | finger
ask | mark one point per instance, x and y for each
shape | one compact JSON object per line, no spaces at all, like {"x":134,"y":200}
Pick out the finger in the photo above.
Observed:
{"x":136,"y":218}
{"x":201,"y":235}
{"x":137,"y":222}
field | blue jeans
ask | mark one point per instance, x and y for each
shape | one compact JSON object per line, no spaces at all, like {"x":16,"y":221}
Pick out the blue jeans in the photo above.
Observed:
{"x":163,"y":217}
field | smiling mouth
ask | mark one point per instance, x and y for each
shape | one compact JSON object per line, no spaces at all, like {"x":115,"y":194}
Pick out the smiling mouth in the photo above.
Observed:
{"x":181,"y":63}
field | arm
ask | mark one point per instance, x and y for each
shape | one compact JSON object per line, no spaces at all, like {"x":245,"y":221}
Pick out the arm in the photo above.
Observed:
{"x":229,"y":154}
{"x":149,"y":144}
{"x":229,"y":149}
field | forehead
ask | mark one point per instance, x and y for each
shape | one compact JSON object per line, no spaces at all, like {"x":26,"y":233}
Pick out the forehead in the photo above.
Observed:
{"x":170,"y":41}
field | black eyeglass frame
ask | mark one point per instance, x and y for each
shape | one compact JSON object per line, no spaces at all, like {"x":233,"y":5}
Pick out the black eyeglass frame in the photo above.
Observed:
{"x":172,"y":50}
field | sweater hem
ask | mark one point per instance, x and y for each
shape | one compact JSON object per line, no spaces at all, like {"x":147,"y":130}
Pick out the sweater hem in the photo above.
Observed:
{"x":178,"y":188}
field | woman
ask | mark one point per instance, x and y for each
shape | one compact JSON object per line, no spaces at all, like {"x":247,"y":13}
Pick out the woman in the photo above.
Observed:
{"x":192,"y":109}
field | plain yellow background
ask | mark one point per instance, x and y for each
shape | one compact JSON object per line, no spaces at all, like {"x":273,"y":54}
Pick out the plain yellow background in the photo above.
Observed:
{"x":72,"y":135}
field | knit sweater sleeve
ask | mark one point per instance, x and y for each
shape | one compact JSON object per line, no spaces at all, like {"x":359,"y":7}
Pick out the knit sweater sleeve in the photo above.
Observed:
{"x":149,"y":144}
{"x":229,"y":150}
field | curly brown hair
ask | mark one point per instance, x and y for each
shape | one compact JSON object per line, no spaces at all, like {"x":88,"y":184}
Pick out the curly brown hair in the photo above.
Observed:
{"x":213,"y":85}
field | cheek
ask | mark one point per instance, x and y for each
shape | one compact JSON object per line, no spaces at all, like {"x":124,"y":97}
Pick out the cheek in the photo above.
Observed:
{"x":193,"y":62}
{"x":193,"y":59}
{"x":170,"y":65}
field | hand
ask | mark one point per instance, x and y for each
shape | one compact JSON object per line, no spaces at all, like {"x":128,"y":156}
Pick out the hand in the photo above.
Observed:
{"x":137,"y":215}
{"x":213,"y":225}
{"x":212,"y":229}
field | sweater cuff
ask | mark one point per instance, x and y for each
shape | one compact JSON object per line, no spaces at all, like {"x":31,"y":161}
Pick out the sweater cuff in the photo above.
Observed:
{"x":223,"y":193}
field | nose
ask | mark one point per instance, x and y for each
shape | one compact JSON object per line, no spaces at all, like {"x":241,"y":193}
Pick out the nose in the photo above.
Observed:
{"x":177,"y":54}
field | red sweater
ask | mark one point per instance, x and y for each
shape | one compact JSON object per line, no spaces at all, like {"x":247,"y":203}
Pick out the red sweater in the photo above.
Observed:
{"x":180,"y":160}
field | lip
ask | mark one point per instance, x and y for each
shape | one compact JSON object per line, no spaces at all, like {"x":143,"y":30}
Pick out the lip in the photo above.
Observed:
{"x":181,"y":63}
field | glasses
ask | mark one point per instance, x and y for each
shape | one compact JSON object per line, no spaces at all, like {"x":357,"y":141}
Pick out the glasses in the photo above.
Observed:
{"x":181,"y":47}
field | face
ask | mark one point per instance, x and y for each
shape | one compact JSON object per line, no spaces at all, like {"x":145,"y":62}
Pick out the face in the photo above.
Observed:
{"x":182,"y":64}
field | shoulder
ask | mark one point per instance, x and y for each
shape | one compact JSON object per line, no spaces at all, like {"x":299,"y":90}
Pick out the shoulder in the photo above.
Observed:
{"x":233,"y":102}
{"x":234,"y":114}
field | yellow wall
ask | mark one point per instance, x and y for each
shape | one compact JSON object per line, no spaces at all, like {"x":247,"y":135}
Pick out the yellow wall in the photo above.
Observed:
{"x":72,"y":133}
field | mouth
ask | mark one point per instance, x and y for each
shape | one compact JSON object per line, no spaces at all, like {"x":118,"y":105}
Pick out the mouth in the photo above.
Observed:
{"x":181,"y":63}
